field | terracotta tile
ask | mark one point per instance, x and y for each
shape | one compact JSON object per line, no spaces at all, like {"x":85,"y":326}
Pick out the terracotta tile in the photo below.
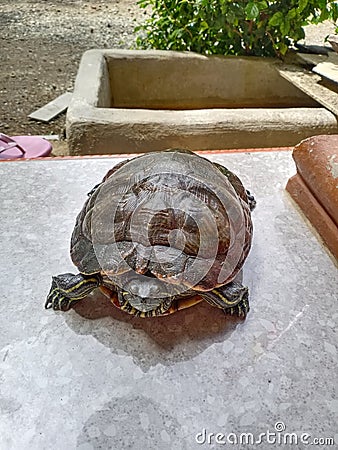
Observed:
{"x":315,"y":212}
{"x":317,"y":162}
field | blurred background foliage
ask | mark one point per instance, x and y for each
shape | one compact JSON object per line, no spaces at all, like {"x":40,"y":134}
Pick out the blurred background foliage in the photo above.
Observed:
{"x":247,"y":27}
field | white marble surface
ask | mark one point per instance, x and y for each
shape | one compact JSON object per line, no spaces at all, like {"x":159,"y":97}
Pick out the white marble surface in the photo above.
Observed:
{"x":95,"y":378}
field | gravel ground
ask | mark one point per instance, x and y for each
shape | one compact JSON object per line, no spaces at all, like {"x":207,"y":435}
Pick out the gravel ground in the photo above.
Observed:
{"x":41,"y":45}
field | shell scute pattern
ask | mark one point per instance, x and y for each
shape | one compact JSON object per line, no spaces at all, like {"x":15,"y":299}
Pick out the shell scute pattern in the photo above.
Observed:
{"x":199,"y":192}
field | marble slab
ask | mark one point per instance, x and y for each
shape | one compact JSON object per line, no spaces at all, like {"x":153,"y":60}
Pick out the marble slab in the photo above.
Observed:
{"x":96,"y":378}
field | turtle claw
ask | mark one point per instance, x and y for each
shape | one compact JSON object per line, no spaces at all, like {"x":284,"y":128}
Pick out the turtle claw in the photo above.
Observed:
{"x":57,"y":301}
{"x":240,"y":310}
{"x":63,"y":304}
{"x":251,"y":200}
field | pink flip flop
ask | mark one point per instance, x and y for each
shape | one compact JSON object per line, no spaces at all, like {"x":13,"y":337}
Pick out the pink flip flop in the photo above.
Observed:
{"x":23,"y":147}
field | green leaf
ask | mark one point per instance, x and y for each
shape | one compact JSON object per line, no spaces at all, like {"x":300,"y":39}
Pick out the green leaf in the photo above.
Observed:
{"x":251,"y":11}
{"x":302,"y":5}
{"x":334,"y":10}
{"x":262,"y":5}
{"x":276,"y":19}
{"x":176,"y":34}
{"x":325,"y":14}
{"x":285,"y":26}
{"x":292,"y":13}
{"x":143,"y":3}
{"x":283,"y":48}
{"x":321,"y":4}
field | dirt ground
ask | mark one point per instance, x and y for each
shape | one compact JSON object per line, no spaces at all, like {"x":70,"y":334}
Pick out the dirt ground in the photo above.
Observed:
{"x":41,"y":45}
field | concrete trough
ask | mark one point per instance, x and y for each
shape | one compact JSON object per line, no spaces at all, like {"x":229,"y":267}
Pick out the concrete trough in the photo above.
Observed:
{"x":129,"y":101}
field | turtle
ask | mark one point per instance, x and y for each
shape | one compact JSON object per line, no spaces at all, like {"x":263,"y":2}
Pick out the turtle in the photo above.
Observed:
{"x":162,"y":231}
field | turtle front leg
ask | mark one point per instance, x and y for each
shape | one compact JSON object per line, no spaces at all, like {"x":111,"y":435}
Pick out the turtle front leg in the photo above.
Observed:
{"x":233,"y":298}
{"x":68,"y":288}
{"x":251,"y":200}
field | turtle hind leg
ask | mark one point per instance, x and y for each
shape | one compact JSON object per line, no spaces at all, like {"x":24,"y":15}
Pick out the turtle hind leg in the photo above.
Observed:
{"x":251,"y":200}
{"x":232,"y":298}
{"x":68,"y":288}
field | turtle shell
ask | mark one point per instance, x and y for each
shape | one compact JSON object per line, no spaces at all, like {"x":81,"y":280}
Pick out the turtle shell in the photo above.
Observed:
{"x":171,"y":216}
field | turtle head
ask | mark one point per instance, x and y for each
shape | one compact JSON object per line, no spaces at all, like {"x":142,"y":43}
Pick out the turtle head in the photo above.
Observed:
{"x":144,"y":294}
{"x":143,"y":304}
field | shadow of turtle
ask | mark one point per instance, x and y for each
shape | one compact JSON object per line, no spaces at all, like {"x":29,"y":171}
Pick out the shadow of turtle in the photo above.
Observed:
{"x":166,"y":340}
{"x":133,"y":422}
